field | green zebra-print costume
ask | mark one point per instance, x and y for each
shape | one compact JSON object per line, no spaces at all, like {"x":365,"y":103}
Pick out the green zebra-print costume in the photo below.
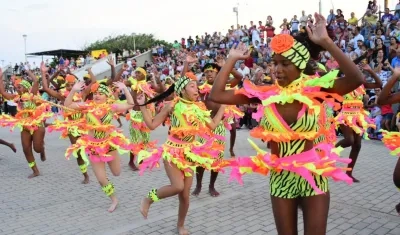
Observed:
{"x":106,"y":119}
{"x":138,"y":136}
{"x":286,"y":184}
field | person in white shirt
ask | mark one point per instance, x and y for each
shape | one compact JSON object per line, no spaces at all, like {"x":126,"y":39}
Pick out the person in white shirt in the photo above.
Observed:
{"x":303,"y":19}
{"x":357,"y":37}
{"x":243,"y":69}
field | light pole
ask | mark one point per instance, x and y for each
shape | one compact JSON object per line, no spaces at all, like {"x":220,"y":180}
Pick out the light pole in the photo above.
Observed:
{"x":134,"y":42}
{"x":236,"y":10}
{"x":25,"y":36}
{"x":320,"y":7}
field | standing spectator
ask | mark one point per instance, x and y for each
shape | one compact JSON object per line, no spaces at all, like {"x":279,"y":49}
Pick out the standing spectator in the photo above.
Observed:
{"x":330,"y":17}
{"x":294,"y":23}
{"x":303,"y":19}
{"x":261,"y":28}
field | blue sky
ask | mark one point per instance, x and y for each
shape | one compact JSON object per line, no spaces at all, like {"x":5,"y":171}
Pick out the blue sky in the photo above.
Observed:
{"x":70,"y":24}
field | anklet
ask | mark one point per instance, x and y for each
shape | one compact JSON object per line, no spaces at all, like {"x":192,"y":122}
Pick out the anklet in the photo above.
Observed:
{"x":153,"y":195}
{"x":83,"y":168}
{"x":108,"y":189}
{"x":31,"y":164}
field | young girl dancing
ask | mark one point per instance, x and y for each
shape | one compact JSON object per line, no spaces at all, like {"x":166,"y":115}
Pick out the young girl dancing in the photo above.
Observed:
{"x":181,"y":153}
{"x":103,"y":140}
{"x":71,"y":125}
{"x":290,"y":118}
{"x":30,"y":117}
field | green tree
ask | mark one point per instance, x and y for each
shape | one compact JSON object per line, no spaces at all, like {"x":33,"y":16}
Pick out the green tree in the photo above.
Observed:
{"x":117,"y":43}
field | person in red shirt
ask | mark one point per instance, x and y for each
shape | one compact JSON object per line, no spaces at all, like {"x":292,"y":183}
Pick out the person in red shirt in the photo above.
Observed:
{"x":387,"y":116}
{"x":262,"y":29}
{"x":249,"y":62}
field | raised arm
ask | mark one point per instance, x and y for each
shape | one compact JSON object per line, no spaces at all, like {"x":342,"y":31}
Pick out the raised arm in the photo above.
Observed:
{"x":3,"y":92}
{"x":93,"y":80}
{"x":372,"y":85}
{"x":35,"y":82}
{"x":45,"y":83}
{"x":153,"y":123}
{"x":386,"y":97}
{"x":113,"y":78}
{"x":353,"y":77}
{"x":156,"y":82}
{"x":219,"y":94}
{"x":79,"y":86}
{"x":237,"y":77}
{"x":120,"y":108}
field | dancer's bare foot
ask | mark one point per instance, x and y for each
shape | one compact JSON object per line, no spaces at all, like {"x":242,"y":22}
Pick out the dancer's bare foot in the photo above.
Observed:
{"x":114,"y":205}
{"x":34,"y":174}
{"x":12,"y":147}
{"x":183,"y":231}
{"x":43,"y":156}
{"x":196,"y":191}
{"x":398,"y":208}
{"x":133,"y":166}
{"x":213,"y":192}
{"x":145,"y":206}
{"x":354,"y":179}
{"x":86,"y":179}
{"x":232,"y":153}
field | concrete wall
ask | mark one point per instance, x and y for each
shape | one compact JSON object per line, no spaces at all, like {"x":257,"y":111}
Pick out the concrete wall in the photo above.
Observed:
{"x":101,"y":68}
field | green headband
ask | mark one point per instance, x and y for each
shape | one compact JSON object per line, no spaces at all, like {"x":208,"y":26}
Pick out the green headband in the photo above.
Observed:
{"x":286,"y":46}
{"x":181,"y":83}
{"x":26,"y":84}
{"x":104,"y":89}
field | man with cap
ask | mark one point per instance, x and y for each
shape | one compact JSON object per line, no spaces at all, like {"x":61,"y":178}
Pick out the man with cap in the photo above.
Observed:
{"x":211,"y":70}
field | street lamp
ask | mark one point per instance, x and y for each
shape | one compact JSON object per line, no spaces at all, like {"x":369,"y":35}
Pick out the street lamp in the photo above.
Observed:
{"x":320,"y":7}
{"x":25,"y":36}
{"x":134,"y":41}
{"x":236,"y":10}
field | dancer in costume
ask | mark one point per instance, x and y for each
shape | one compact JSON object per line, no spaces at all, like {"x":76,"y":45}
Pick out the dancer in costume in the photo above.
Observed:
{"x":290,"y":117}
{"x":392,"y":139}
{"x":139,"y":132}
{"x":30,"y":117}
{"x":232,"y":113}
{"x":71,"y":126}
{"x":104,"y":141}
{"x":181,"y":153}
{"x":354,"y":120}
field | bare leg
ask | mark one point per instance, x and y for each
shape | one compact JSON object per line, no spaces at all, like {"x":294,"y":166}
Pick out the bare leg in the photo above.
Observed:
{"x":285,"y":215}
{"x":347,"y":141}
{"x":355,"y":150}
{"x":132,"y":162}
{"x":81,"y":163}
{"x":26,"y":141}
{"x":211,"y":190}
{"x":119,"y":122}
{"x":177,"y":186}
{"x":38,"y":142}
{"x":184,"y":205}
{"x":99,"y":170}
{"x":315,"y":214}
{"x":10,"y":145}
{"x":233,"y":138}
{"x":199,"y":179}
{"x":396,"y":181}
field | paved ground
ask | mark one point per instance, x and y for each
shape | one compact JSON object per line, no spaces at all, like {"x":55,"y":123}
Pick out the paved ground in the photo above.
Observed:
{"x":56,"y":202}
